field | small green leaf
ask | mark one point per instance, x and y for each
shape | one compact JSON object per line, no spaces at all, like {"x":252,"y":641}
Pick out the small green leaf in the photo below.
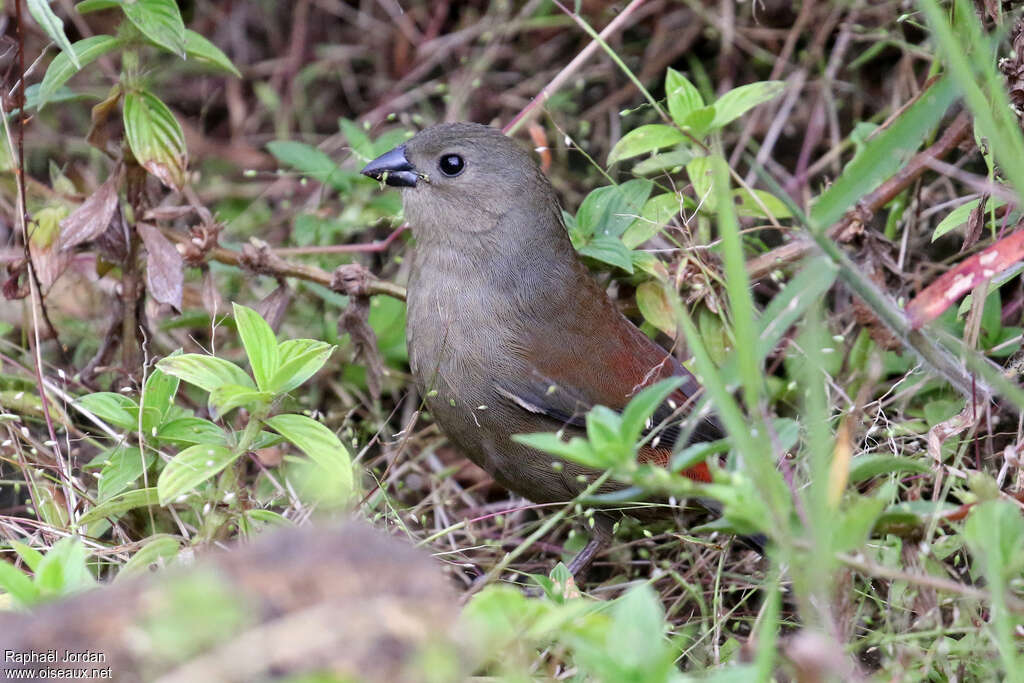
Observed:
{"x":318,"y":442}
{"x":63,"y":67}
{"x":958,"y":216}
{"x":748,"y":206}
{"x":158,"y":20}
{"x":855,"y":523}
{"x":28,"y":554}
{"x":63,"y":569}
{"x":191,"y":430}
{"x":227,"y":397}
{"x":118,"y":505}
{"x":611,"y":209}
{"x":125,"y":464}
{"x":738,"y":101}
{"x":608,"y":250}
{"x":699,"y":171}
{"x":190,"y":468}
{"x":18,"y":585}
{"x":117,"y":409}
{"x":54,"y":27}
{"x":644,"y":139}
{"x":667,"y":161}
{"x":202,"y":50}
{"x":299,"y":359}
{"x":155,"y":138}
{"x":312,"y":162}
{"x":656,"y":214}
{"x":654,"y":305}
{"x":205,"y":372}
{"x":575,"y":450}
{"x":682,"y":95}
{"x":96,"y":5}
{"x":157,"y":399}
{"x":642,"y":406}
{"x":699,"y":121}
{"x":358,"y":140}
{"x":260,"y":345}
{"x":160,"y":548}
{"x":869,"y":465}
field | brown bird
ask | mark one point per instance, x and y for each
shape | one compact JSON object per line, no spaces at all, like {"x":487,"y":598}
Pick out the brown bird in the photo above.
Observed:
{"x":508,"y":333}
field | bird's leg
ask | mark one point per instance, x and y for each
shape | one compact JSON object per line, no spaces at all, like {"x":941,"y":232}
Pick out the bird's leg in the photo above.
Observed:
{"x":600,"y":538}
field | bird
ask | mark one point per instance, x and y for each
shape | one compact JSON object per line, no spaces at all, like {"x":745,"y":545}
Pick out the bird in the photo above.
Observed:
{"x":507,"y":330}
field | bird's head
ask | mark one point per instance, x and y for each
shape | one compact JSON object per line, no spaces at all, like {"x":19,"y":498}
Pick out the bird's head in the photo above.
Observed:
{"x":459,"y":179}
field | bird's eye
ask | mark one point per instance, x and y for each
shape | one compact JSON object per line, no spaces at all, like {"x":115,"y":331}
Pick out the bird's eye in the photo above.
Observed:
{"x":452,"y":165}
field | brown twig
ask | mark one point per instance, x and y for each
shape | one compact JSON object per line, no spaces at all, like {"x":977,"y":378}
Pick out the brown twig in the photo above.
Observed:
{"x":764,"y":264}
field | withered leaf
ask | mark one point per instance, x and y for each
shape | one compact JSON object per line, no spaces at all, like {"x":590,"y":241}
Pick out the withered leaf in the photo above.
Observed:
{"x":165,"y":269}
{"x":274,"y":305}
{"x":93,"y":216}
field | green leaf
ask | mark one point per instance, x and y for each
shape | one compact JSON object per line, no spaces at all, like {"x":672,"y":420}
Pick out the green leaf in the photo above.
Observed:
{"x":63,"y":569}
{"x":227,"y":397}
{"x":855,"y":523}
{"x":118,"y":505}
{"x":205,"y":372}
{"x":642,"y":406}
{"x":191,"y":430}
{"x":656,"y":214}
{"x":159,"y":549}
{"x":611,"y":209}
{"x":575,"y":450}
{"x":312,"y":162}
{"x":699,"y":121}
{"x":318,"y":442}
{"x":747,"y":206}
{"x":54,"y":27}
{"x":682,"y":95}
{"x":666,"y":161}
{"x":202,"y":50}
{"x":63,"y":67}
{"x":869,"y":465}
{"x":958,"y":216}
{"x":28,"y":554}
{"x":299,"y":360}
{"x":738,"y":101}
{"x":260,"y":344}
{"x":117,"y":409}
{"x":157,"y":399}
{"x":155,"y":138}
{"x":124,"y":465}
{"x":608,"y":250}
{"x":644,"y":139}
{"x":158,"y":20}
{"x":699,"y":171}
{"x":654,"y":305}
{"x":358,"y":140}
{"x":18,"y":585}
{"x":884,"y":154}
{"x":96,"y":5}
{"x":190,"y":468}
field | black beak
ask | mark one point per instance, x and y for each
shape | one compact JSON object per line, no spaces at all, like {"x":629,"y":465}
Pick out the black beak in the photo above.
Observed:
{"x":393,"y":168}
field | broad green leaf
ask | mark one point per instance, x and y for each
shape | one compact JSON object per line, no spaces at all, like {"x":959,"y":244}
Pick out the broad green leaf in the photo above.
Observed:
{"x":191,"y":430}
{"x":118,"y":505}
{"x":739,"y":101}
{"x":299,"y":360}
{"x":748,"y":206}
{"x":157,"y":399}
{"x":63,"y":569}
{"x":227,"y":397}
{"x":358,"y":140}
{"x":608,"y":250}
{"x":260,"y":344}
{"x":656,"y":214}
{"x":54,"y":27}
{"x":642,"y":406}
{"x":655,"y":306}
{"x":312,"y":162}
{"x":611,"y":209}
{"x":117,"y":409}
{"x":190,"y":468}
{"x":869,"y":465}
{"x":160,"y":548}
{"x":202,"y":50}
{"x":666,"y":161}
{"x":958,"y":216}
{"x":124,"y":465}
{"x":682,"y":95}
{"x":18,"y":585}
{"x":884,"y":154}
{"x":644,"y":139}
{"x":318,"y":442}
{"x":62,"y":67}
{"x":158,"y":20}
{"x":205,"y":372}
{"x":155,"y":138}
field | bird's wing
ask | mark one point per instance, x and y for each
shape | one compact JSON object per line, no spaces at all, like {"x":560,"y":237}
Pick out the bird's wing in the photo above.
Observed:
{"x":608,"y":366}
